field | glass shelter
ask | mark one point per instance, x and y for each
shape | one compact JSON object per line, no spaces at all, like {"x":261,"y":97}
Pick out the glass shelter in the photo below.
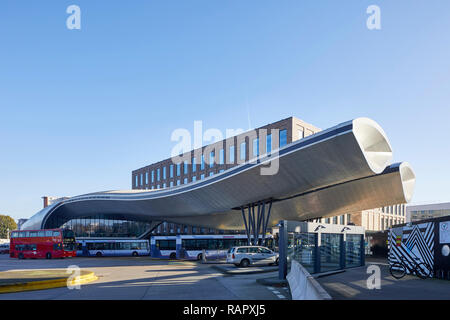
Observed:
{"x":321,"y":247}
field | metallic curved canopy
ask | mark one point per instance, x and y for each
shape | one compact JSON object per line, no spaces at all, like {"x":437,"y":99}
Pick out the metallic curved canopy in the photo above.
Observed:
{"x":340,"y":170}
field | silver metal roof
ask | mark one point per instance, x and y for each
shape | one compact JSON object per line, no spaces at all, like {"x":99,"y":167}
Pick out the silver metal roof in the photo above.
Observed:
{"x":336,"y":171}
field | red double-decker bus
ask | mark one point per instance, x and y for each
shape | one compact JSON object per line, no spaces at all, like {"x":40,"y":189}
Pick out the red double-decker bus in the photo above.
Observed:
{"x":49,"y":243}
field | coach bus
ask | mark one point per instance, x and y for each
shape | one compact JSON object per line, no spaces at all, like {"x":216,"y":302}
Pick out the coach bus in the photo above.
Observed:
{"x":191,"y":246}
{"x":49,"y":243}
{"x":112,"y":247}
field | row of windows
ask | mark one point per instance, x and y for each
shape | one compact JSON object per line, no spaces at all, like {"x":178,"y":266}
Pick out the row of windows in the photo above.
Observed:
{"x":396,"y":209}
{"x":207,"y":244}
{"x":30,"y":234}
{"x":155,"y":175}
{"x":180,"y":182}
{"x":338,"y":220}
{"x":212,"y":244}
{"x":115,"y":246}
{"x":99,"y":226}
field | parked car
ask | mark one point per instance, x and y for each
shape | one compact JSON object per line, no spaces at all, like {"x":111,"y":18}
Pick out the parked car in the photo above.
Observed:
{"x":251,"y":255}
{"x":4,"y":248}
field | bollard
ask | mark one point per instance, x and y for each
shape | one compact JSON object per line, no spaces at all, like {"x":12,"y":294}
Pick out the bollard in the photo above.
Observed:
{"x":203,"y":256}
{"x":282,"y":246}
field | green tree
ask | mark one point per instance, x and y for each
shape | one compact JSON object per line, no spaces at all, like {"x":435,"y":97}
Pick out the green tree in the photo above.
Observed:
{"x":6,"y":222}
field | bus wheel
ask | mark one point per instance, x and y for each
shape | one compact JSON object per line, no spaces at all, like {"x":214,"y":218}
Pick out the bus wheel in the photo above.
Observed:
{"x":135,"y":254}
{"x":48,"y":255}
{"x":199,"y":257}
{"x":98,"y":254}
{"x":21,"y":256}
{"x":173,"y":256}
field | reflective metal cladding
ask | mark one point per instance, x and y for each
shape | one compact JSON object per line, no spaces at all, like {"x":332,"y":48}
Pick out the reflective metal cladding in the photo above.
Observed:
{"x":340,"y":170}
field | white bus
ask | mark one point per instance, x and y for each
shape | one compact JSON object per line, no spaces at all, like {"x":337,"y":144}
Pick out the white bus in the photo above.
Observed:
{"x":112,"y":247}
{"x":191,"y":246}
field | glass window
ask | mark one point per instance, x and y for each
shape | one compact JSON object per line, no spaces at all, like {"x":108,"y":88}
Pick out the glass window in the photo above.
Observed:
{"x":153,"y":176}
{"x":178,"y":182}
{"x":202,"y":163}
{"x":242,"y":151}
{"x":185,"y":180}
{"x":231,"y":156}
{"x":304,"y":250}
{"x":221,"y":170}
{"x":211,"y":159}
{"x":301,"y":134}
{"x":136,"y":181}
{"x":269,"y":143}
{"x":264,"y":250}
{"x":194,"y":178}
{"x":171,"y":170}
{"x":211,"y":174}
{"x":353,"y":250}
{"x":166,"y":244}
{"x":146,"y":177}
{"x":164,"y":185}
{"x":283,"y":138}
{"x":330,"y":252}
{"x":202,"y":177}
{"x":194,"y":165}
{"x":253,"y":250}
{"x":124,"y":246}
{"x":242,"y":250}
{"x":256,"y":147}
{"x":164,"y":173}
{"x":221,"y":156}
{"x":142,"y":178}
{"x":178,"y":169}
{"x":185,"y":168}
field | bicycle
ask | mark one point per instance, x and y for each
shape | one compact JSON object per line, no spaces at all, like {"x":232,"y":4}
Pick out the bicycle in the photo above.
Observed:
{"x":421,"y":269}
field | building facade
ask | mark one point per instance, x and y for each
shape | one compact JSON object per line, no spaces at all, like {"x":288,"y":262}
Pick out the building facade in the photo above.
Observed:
{"x":216,"y":158}
{"x":207,"y":161}
{"x":378,"y":219}
{"x":427,"y":211}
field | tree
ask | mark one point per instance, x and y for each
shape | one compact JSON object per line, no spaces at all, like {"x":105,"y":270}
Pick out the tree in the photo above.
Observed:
{"x":6,"y":222}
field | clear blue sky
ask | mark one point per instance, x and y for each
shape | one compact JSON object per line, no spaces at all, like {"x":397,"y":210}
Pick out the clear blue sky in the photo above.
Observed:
{"x":80,"y":109}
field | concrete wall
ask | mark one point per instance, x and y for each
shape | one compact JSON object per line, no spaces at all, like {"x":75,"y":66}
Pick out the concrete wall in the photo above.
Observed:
{"x":303,"y":286}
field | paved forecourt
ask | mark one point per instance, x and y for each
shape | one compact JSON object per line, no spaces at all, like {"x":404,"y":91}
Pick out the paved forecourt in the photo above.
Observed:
{"x":145,"y":278}
{"x":352,"y":284}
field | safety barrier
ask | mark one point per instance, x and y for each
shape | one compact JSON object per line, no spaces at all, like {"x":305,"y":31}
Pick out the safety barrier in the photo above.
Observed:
{"x":303,"y":286}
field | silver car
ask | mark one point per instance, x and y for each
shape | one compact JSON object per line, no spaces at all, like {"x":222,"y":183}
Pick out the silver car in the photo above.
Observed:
{"x":251,"y":255}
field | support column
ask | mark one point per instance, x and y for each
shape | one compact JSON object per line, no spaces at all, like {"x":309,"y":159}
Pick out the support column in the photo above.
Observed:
{"x":282,"y":245}
{"x":256,"y":221}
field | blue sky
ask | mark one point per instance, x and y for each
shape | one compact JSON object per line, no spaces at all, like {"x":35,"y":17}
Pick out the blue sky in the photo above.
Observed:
{"x":80,"y":109}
